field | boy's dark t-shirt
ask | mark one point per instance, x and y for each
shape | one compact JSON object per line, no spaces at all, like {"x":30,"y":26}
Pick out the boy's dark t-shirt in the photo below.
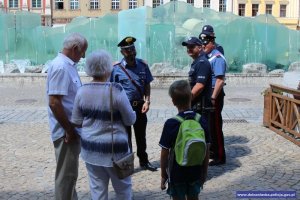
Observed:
{"x":180,"y":174}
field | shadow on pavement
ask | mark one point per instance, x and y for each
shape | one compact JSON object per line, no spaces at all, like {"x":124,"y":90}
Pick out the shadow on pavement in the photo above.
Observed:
{"x":234,"y":147}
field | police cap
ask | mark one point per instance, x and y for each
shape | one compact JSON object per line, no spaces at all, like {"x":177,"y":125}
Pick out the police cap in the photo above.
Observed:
{"x":208,"y":30}
{"x":192,"y":41}
{"x":207,"y":34}
{"x":127,"y":42}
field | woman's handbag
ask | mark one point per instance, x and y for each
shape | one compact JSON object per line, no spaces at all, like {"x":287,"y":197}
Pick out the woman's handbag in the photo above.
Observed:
{"x":124,"y":167}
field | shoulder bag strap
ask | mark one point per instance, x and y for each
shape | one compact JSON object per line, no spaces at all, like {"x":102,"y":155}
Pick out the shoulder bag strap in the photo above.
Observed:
{"x":111,"y":121}
{"x":132,"y":81}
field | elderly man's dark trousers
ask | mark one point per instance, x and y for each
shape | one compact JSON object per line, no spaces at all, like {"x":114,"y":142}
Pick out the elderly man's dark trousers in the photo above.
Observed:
{"x":140,"y":135}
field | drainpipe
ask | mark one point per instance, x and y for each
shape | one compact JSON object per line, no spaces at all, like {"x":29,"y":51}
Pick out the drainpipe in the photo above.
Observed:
{"x":51,"y":12}
{"x":44,"y":6}
{"x":299,"y":17}
{"x":28,"y":5}
{"x":5,"y":5}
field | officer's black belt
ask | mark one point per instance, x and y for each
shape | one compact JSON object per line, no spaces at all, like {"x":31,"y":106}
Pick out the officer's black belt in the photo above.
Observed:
{"x":137,"y":103}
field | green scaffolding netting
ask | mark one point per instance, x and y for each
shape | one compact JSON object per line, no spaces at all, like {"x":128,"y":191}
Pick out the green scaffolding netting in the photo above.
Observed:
{"x":159,"y":32}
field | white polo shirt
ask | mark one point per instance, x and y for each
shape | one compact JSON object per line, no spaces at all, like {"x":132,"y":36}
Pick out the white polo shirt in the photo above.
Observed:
{"x":62,"y":79}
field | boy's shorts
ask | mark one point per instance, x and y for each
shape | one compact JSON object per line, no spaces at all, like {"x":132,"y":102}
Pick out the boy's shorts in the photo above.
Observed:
{"x":180,"y":190}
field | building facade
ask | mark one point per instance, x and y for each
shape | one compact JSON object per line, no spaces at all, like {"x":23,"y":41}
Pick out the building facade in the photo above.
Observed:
{"x":286,"y":12}
{"x":65,"y":10}
{"x":41,"y":7}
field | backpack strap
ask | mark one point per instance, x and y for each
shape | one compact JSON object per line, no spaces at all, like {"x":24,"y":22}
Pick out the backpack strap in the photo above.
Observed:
{"x":181,"y":119}
{"x":178,"y":118}
{"x":197,"y":117}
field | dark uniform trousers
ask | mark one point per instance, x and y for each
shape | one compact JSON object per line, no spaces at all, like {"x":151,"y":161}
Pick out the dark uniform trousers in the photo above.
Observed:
{"x":216,"y":124}
{"x":139,"y":131}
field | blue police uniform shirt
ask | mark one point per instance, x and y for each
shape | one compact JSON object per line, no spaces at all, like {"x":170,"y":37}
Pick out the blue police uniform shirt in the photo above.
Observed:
{"x":140,"y":73}
{"x":200,"y":72}
{"x":218,"y":65}
{"x":181,"y":174}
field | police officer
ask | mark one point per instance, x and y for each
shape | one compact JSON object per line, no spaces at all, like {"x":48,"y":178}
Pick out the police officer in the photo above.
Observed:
{"x":218,"y":65}
{"x":135,"y":77}
{"x":200,"y":81}
{"x":209,"y":30}
{"x":199,"y":75}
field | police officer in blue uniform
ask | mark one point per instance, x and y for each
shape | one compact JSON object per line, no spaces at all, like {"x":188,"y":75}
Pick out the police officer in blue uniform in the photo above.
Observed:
{"x":135,"y":77}
{"x":219,"y":66}
{"x":200,"y":75}
{"x":209,"y":30}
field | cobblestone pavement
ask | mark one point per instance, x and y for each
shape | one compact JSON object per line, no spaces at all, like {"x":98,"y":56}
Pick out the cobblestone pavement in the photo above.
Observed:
{"x":257,"y":158}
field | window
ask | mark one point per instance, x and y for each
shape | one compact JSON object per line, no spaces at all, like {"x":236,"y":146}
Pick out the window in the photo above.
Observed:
{"x":36,"y":3}
{"x":13,"y":4}
{"x":59,"y":4}
{"x":241,"y":9}
{"x":156,"y":3}
{"x":190,"y":2}
{"x":74,"y":4}
{"x":132,"y":4}
{"x":222,"y":6}
{"x":94,"y":4}
{"x":282,"y":10}
{"x":206,"y":3}
{"x":115,"y":4}
{"x":269,"y":9}
{"x":254,"y":10}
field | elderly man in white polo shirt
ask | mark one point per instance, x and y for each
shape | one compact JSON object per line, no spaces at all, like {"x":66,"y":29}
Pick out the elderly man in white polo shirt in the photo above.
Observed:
{"x":62,"y":84}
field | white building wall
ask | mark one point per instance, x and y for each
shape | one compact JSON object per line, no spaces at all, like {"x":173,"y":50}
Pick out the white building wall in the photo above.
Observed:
{"x":229,"y":6}
{"x":214,"y":4}
{"x":148,"y":3}
{"x":293,"y":9}
{"x":198,"y":3}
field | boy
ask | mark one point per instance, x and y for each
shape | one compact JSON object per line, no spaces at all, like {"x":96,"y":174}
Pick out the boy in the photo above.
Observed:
{"x":183,"y":182}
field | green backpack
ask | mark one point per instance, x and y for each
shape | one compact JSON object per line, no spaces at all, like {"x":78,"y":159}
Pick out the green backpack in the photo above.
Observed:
{"x":190,"y":145}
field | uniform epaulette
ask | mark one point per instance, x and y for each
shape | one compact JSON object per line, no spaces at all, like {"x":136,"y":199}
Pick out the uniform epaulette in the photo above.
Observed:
{"x":116,"y":63}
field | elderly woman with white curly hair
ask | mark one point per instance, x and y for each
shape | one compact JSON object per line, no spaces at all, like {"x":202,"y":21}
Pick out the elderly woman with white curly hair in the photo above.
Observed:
{"x":92,"y":112}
